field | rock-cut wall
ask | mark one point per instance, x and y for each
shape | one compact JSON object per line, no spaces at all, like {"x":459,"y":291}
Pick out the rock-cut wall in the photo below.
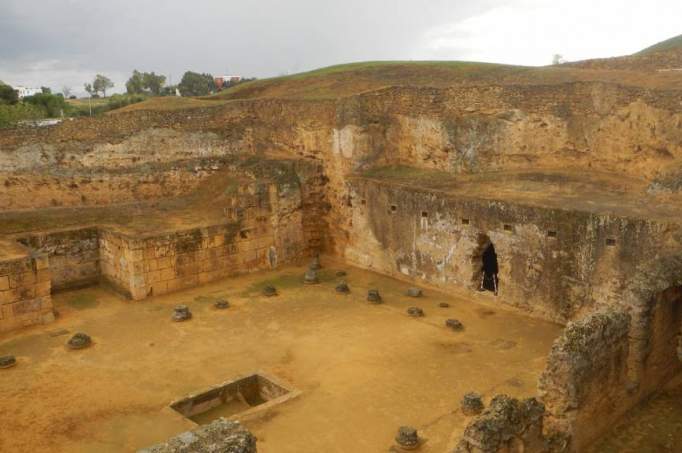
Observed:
{"x":73,"y":256}
{"x":553,"y":263}
{"x":274,"y":216}
{"x":24,"y":291}
{"x":585,"y":386}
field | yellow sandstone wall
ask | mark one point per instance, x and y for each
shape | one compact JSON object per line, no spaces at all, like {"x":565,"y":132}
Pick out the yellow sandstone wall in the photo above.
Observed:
{"x":24,"y":292}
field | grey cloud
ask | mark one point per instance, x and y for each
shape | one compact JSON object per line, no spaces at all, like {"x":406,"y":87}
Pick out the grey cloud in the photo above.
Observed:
{"x":67,"y":41}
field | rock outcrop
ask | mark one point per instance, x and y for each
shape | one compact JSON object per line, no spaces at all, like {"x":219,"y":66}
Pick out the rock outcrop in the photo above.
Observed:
{"x":507,"y":426}
{"x":220,"y":436}
{"x":585,"y":386}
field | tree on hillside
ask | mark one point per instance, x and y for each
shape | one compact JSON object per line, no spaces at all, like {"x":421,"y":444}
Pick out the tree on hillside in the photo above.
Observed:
{"x":558,"y":59}
{"x":53,"y":104}
{"x":90,"y":90}
{"x":102,"y":83}
{"x":195,"y":84}
{"x":153,"y":82}
{"x":8,"y":95}
{"x":145,"y":82}
{"x":66,"y":91}
{"x":169,"y":90}
{"x":135,"y":84}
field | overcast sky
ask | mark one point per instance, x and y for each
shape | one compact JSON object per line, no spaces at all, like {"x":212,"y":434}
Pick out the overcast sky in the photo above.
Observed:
{"x":66,"y":42}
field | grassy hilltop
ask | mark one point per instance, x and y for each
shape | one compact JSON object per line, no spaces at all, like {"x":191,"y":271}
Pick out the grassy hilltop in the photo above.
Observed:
{"x":671,"y":44}
{"x":333,"y":82}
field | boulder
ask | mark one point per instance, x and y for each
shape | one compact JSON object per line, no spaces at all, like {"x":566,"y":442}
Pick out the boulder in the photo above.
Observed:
{"x":454,"y":324}
{"x":7,"y":361}
{"x":79,"y":341}
{"x":269,"y":291}
{"x":221,"y":304}
{"x":181,"y":313}
{"x":407,"y":438}
{"x":373,"y":296}
{"x":310,"y":277}
{"x":472,"y":404}
{"x":342,"y":288}
{"x":507,"y":425}
{"x":415,"y":312}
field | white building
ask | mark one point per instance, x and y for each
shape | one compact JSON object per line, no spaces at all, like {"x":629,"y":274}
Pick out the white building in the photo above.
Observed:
{"x":26,"y":91}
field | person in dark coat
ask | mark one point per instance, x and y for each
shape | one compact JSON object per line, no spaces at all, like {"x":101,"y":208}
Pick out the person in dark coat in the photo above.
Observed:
{"x":489,"y":270}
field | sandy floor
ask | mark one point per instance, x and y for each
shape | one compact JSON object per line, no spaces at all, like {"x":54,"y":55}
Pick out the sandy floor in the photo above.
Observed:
{"x":363,"y":370}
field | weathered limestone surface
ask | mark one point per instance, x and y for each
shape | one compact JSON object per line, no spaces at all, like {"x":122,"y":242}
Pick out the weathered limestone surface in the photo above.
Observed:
{"x":266,"y":213}
{"x":157,"y":264}
{"x":653,"y":297}
{"x":508,"y":426}
{"x":492,"y":128}
{"x":222,"y":436}
{"x":559,"y":277}
{"x":25,"y":292}
{"x":585,"y":386}
{"x":275,"y":180}
{"x":73,"y":256}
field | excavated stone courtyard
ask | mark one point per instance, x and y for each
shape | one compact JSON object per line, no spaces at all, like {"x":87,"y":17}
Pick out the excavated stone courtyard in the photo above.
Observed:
{"x":535,"y":210}
{"x":362,"y":369}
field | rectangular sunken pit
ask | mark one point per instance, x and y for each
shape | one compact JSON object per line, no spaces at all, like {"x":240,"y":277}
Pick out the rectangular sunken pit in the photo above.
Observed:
{"x":239,"y":398}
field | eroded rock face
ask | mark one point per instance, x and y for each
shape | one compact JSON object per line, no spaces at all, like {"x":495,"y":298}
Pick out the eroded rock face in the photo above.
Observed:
{"x":586,"y":373}
{"x":221,"y":436}
{"x":508,"y":425}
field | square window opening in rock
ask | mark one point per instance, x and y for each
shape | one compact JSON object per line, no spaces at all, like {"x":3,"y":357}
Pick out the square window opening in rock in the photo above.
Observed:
{"x":552,"y":234}
{"x":425,"y":214}
{"x":508,"y":227}
{"x":234,"y":399}
{"x":611,"y":242}
{"x":465,"y":221}
{"x":394,"y":208}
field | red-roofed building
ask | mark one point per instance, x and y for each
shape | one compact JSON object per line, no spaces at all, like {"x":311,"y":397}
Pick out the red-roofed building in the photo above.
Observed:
{"x":226,"y":80}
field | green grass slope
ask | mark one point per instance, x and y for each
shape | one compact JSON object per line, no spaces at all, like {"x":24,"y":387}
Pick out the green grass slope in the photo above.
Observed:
{"x":663,"y":46}
{"x":341,"y":81}
{"x":349,"y":79}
